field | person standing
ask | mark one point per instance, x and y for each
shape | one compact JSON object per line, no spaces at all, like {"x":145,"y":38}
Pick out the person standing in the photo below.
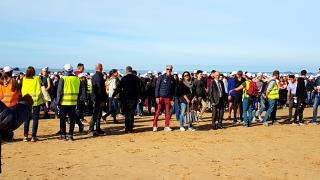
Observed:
{"x":301,"y":95}
{"x":9,"y":88}
{"x":67,"y":98}
{"x":261,"y":85}
{"x":80,"y":69}
{"x":82,"y":101}
{"x":31,"y":85}
{"x":99,"y":97}
{"x":113,"y":102}
{"x":130,"y":89}
{"x":46,"y":85}
{"x":216,"y":95}
{"x":316,"y":101}
{"x":164,"y":92}
{"x":231,"y":97}
{"x":249,"y":100}
{"x":239,"y":80}
{"x":200,"y":93}
{"x":186,"y":97}
{"x":272,"y":94}
{"x":292,"y":98}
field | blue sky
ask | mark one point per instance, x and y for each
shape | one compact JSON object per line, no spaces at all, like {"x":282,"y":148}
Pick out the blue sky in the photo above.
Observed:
{"x":215,"y":34}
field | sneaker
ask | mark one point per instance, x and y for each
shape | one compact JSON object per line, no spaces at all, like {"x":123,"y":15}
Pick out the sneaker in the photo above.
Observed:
{"x":295,"y":124}
{"x":265,"y":124}
{"x":25,"y":139}
{"x":314,"y":123}
{"x":302,"y":124}
{"x":62,"y":138}
{"x":254,"y":120}
{"x":260,"y":119}
{"x":70,"y":138}
{"x":34,"y":139}
{"x":276,"y":123}
{"x":191,"y":129}
{"x":92,"y":133}
{"x":155,"y":129}
{"x":182,"y":129}
{"x":167,"y":129}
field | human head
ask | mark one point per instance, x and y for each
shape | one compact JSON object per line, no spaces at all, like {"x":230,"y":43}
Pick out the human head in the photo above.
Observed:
{"x":30,"y":72}
{"x":186,"y":76}
{"x":303,"y":72}
{"x":169,"y":69}
{"x":80,"y":67}
{"x":276,"y":74}
{"x":68,"y":68}
{"x":128,"y":70}
{"x":199,"y":74}
{"x":216,"y":75}
{"x":292,"y":78}
{"x":99,"y":67}
{"x":239,"y":74}
{"x":44,"y":72}
{"x":114,"y":73}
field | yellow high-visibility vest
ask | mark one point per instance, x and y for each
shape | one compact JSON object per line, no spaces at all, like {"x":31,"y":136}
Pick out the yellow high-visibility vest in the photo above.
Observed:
{"x":71,"y":87}
{"x":274,"y":93}
{"x":32,"y":86}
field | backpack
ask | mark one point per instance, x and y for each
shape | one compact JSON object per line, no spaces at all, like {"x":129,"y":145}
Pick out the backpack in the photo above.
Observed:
{"x":253,"y":90}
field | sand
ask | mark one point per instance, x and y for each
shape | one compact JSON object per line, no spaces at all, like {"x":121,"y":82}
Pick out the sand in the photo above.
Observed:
{"x":276,"y":152}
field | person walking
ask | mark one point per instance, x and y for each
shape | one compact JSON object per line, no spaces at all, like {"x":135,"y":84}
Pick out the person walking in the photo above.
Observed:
{"x":239,"y":80}
{"x":292,"y":97}
{"x":231,"y":97}
{"x":31,"y":84}
{"x":164,"y":92}
{"x":216,"y":95}
{"x":272,"y":94}
{"x":99,"y":97}
{"x":129,"y":89}
{"x":67,"y":98}
{"x":200,"y":93}
{"x":113,"y":101}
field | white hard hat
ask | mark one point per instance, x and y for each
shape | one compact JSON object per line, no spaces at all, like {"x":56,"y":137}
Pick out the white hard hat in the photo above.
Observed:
{"x":68,"y":67}
{"x":7,"y":69}
{"x":175,"y":73}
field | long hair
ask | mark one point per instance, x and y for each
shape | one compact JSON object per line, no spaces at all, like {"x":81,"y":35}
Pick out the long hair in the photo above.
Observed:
{"x":30,"y":72}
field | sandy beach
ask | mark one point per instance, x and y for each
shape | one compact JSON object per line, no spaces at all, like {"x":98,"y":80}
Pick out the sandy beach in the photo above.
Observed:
{"x":276,"y":152}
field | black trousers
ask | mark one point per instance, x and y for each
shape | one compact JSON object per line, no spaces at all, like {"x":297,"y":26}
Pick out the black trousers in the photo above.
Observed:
{"x":129,"y":108}
{"x":96,"y":117}
{"x":238,"y":103}
{"x":64,"y":111}
{"x":217,"y":112}
{"x":301,"y":104}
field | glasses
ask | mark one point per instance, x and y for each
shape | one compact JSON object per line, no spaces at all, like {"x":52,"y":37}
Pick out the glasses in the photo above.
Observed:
{"x":186,"y":75}
{"x":169,"y":69}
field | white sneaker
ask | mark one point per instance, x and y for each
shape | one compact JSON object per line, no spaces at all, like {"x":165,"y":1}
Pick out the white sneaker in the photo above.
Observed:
{"x":254,"y":120}
{"x":167,"y":129}
{"x":155,"y":129}
{"x":182,"y":129}
{"x":191,"y":129}
{"x":265,"y":124}
{"x":302,"y":124}
{"x":260,"y":119}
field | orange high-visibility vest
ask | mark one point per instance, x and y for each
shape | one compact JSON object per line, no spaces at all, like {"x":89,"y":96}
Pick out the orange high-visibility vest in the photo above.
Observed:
{"x":9,"y":95}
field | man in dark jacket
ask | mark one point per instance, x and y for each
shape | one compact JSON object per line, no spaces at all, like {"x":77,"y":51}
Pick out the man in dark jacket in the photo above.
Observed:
{"x":130,"y":91}
{"x":216,"y":95}
{"x":82,"y":101}
{"x":164,"y":94}
{"x":99,"y":97}
{"x":201,"y":93}
{"x":316,"y":101}
{"x":301,"y":95}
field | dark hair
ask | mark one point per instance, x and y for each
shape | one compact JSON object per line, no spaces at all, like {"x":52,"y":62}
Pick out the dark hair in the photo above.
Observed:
{"x":134,"y":72}
{"x":199,"y":71}
{"x":186,"y":72}
{"x":213,"y":71}
{"x":291,"y":76}
{"x":80,"y":64}
{"x":303,"y":72}
{"x":240,"y":73}
{"x":30,"y":72}
{"x":112,"y":72}
{"x":276,"y":72}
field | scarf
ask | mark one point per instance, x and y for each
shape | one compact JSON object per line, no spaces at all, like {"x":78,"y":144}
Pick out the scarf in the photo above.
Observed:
{"x":189,"y":84}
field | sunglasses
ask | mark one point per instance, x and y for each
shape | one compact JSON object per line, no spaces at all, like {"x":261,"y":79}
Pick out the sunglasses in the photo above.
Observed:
{"x":186,"y":75}
{"x":169,"y":69}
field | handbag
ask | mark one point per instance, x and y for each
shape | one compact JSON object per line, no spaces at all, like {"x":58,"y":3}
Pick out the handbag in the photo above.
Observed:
{"x":191,"y":116}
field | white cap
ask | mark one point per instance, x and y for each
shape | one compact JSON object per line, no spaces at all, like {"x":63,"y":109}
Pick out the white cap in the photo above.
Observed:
{"x":68,"y":67}
{"x":259,"y":74}
{"x":195,"y":71}
{"x":265,"y":74}
{"x":14,"y":75}
{"x":163,"y":72}
{"x":205,"y":72}
{"x":55,"y":73}
{"x":249,"y":75}
{"x":7,"y":69}
{"x":317,"y":75}
{"x":149,"y":72}
{"x":180,"y":76}
{"x":296,"y":75}
{"x":52,"y":76}
{"x":91,"y":74}
{"x":233,"y":73}
{"x":253,"y":75}
{"x":175,"y":72}
{"x":43,"y":69}
{"x":311,"y":77}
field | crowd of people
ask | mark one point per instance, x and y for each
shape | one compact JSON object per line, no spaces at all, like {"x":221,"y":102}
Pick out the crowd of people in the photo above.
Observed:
{"x":73,"y":95}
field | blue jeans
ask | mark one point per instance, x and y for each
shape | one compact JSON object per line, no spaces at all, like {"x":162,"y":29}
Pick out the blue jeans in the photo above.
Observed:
{"x":176,"y":108}
{"x":36,"y":113}
{"x":262,"y":105}
{"x":183,"y":108}
{"x":271,"y":110}
{"x":248,"y":106}
{"x":315,"y":107}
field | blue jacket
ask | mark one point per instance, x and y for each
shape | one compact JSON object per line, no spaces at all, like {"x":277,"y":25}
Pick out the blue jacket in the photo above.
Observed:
{"x":231,"y":85}
{"x":165,"y":87}
{"x":318,"y":81}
